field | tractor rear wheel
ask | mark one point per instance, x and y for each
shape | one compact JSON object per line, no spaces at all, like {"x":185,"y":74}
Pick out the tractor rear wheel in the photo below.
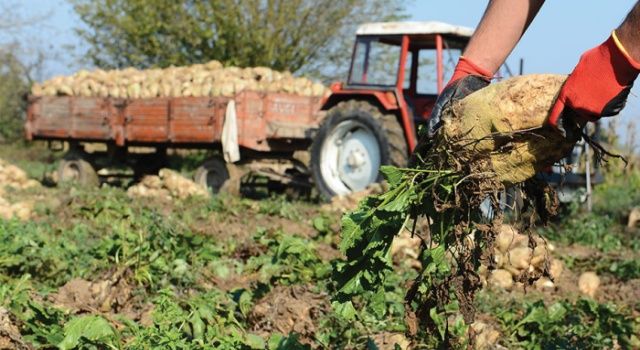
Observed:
{"x":354,"y":140}
{"x":75,"y":168}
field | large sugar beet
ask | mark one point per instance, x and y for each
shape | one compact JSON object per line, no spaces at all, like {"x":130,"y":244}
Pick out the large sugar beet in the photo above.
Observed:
{"x":505,"y":124}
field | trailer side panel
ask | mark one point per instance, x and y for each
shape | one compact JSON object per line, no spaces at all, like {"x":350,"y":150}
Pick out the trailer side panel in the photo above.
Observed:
{"x":147,"y":120}
{"x":197,"y":119}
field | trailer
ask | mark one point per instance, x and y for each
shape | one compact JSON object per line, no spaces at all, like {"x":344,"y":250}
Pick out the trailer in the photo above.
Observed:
{"x":252,"y":131}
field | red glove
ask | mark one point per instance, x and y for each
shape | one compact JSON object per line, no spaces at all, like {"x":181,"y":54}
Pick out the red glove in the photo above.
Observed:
{"x":598,"y":86}
{"x":465,"y":68}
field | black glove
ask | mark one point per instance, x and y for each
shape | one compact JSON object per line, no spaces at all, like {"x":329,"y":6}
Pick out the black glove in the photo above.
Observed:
{"x":455,"y":91}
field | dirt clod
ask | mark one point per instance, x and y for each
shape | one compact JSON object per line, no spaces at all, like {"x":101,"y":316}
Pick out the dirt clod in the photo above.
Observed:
{"x":388,"y":341}
{"x":109,"y":295}
{"x":10,"y":337}
{"x":287,"y":310}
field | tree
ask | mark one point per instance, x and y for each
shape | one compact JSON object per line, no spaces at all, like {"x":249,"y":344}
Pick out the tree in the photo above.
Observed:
{"x":17,"y":65}
{"x":307,"y":36}
{"x":13,"y":87}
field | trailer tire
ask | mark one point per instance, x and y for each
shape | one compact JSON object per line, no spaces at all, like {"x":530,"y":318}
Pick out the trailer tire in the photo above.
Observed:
{"x":353,"y":141}
{"x":212,"y":174}
{"x":74,"y":168}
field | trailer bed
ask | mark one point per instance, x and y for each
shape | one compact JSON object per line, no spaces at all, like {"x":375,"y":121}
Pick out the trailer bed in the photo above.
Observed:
{"x":265,"y":121}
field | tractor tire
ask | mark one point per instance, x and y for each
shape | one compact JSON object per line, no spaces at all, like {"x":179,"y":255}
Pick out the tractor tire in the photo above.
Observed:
{"x":353,"y":141}
{"x":212,"y":174}
{"x":76,"y":169}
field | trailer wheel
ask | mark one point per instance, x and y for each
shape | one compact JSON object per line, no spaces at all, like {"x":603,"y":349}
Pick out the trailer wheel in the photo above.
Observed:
{"x":74,"y":168}
{"x":352,"y":143}
{"x":212,"y":174}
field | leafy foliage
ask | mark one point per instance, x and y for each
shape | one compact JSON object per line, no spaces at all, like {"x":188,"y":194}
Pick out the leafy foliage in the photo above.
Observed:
{"x":204,"y":321}
{"x":614,"y":198}
{"x":599,"y":231}
{"x":367,"y":235}
{"x":195,"y":287}
{"x":88,"y":329}
{"x":288,"y":260}
{"x":584,"y":324}
{"x":156,"y":253}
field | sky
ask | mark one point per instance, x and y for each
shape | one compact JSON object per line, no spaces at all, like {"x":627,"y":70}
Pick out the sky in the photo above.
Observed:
{"x":561,"y":32}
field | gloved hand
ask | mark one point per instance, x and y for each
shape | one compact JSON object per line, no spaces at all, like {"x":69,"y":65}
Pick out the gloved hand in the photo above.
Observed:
{"x":598,"y":87}
{"x":467,"y":78}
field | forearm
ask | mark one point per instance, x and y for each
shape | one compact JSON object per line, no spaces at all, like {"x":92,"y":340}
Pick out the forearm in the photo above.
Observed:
{"x":502,"y":25}
{"x":629,"y":32}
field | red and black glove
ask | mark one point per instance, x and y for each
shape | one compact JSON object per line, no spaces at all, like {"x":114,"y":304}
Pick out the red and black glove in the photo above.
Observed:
{"x":467,"y":78}
{"x":598,"y":86}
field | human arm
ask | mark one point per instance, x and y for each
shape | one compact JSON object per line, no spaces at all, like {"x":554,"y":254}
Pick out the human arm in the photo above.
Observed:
{"x":501,"y":27}
{"x":601,"y":81}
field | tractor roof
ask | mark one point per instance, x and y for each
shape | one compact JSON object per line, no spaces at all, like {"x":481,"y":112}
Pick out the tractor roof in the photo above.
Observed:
{"x":414,"y":28}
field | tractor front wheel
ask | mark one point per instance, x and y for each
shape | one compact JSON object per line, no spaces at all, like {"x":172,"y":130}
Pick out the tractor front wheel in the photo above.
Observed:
{"x":354,"y":140}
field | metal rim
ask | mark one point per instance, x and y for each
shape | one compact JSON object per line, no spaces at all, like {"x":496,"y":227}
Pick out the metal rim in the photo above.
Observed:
{"x":350,"y":157}
{"x":70,"y":171}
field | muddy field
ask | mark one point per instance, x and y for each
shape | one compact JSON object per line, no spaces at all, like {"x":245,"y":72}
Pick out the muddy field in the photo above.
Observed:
{"x":177,"y":268}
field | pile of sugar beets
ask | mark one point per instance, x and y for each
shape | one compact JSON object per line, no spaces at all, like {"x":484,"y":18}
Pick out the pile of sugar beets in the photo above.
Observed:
{"x":492,"y":140}
{"x":198,"y":80}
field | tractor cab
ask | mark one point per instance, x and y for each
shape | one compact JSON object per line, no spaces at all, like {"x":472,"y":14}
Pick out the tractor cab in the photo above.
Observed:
{"x":397,"y":71}
{"x":411,"y":60}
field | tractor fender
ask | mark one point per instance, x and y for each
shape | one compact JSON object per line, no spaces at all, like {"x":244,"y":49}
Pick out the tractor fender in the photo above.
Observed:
{"x":386,"y":100}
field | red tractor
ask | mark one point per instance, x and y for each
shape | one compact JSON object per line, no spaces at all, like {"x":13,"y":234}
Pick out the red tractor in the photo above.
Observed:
{"x":397,"y":71}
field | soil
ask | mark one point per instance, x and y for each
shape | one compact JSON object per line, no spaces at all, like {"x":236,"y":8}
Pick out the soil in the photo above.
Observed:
{"x":109,"y":295}
{"x":388,"y":341}
{"x":242,"y":228}
{"x":10,"y":337}
{"x":289,"y":309}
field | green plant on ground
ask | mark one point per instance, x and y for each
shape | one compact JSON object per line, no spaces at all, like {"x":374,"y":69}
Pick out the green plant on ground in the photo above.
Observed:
{"x":616,"y":196}
{"x":194,"y":286}
{"x":287,"y":260}
{"x":594,"y":230}
{"x":584,"y":324}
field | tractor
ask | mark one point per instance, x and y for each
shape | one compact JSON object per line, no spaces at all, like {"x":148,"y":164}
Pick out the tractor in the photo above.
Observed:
{"x":397,"y":70}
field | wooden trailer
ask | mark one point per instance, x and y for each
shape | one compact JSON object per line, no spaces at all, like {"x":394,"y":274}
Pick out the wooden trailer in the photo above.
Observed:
{"x":253,"y":131}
